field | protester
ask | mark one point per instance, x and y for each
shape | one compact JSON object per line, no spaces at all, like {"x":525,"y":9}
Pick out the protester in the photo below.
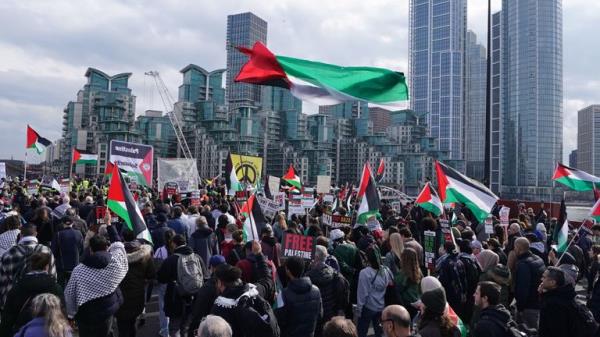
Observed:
{"x":339,"y":327}
{"x":13,"y":263}
{"x":67,"y":246}
{"x":48,"y":320}
{"x":395,"y":321}
{"x":177,"y":223}
{"x":528,"y":273}
{"x":434,"y":320}
{"x":17,"y":308}
{"x":214,"y":326}
{"x":302,"y":307}
{"x":494,"y":317}
{"x":9,"y":237}
{"x":205,"y":298}
{"x":203,"y":241}
{"x":92,"y":295}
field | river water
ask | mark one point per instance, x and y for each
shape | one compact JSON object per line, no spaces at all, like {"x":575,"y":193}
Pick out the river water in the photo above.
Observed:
{"x":578,"y":213}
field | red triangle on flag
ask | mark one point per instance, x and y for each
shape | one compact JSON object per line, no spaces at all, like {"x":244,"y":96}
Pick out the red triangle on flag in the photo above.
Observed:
{"x":115,"y":192}
{"x":561,"y":171}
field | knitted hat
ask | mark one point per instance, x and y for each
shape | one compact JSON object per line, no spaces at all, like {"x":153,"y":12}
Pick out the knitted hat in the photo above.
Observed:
{"x":336,"y":234}
{"x":429,"y":283}
{"x":216,"y":260}
{"x":435,"y":300}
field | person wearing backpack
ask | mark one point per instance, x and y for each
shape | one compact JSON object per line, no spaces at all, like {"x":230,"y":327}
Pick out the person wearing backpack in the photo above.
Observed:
{"x":494,"y":319}
{"x":452,"y":276}
{"x":183,"y":273}
{"x":14,"y":262}
{"x":17,"y":309}
{"x":472,"y":273}
{"x":560,"y":314}
{"x":528,"y":272}
{"x":243,"y":305}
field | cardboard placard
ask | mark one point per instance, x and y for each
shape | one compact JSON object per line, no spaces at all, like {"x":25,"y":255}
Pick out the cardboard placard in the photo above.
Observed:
{"x":279,"y":198}
{"x":268,"y":206}
{"x":295,"y":207}
{"x":298,"y":245}
{"x":396,"y":206}
{"x":170,"y":190}
{"x":323,"y":184}
{"x":504,"y":214}
{"x":336,"y":221}
{"x":100,"y":214}
{"x":195,"y":198}
{"x":429,"y":247}
{"x":489,"y":225}
{"x":446,"y":230}
{"x":274,"y":183}
{"x":328,"y":198}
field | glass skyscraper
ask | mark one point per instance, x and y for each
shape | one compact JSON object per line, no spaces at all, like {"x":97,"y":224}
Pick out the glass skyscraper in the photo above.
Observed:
{"x":242,"y":30}
{"x":532,"y":108}
{"x":437,"y":43}
{"x":475,"y":88}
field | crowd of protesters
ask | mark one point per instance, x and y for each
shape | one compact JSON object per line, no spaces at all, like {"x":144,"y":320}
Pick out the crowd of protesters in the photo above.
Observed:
{"x":66,"y":270}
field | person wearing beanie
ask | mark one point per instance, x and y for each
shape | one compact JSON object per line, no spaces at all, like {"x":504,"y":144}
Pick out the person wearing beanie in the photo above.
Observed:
{"x":349,"y":260}
{"x":207,"y":295}
{"x":429,"y":283}
{"x":435,"y":321}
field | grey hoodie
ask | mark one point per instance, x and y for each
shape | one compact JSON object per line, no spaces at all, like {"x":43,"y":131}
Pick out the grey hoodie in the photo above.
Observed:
{"x":371,"y":290}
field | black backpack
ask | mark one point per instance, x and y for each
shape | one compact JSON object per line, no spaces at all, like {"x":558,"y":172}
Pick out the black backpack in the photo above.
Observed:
{"x":454,"y":279}
{"x":25,"y":266}
{"x":472,"y":272}
{"x":512,"y":329}
{"x":584,"y":324}
{"x":258,"y":316}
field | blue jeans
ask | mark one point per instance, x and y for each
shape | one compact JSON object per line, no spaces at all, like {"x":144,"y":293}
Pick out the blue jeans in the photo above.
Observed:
{"x":366,"y":317}
{"x":162,"y":318}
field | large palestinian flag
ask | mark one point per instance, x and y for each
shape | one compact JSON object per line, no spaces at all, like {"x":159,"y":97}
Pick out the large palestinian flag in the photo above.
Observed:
{"x":322,"y":83}
{"x":428,"y":199}
{"x":80,"y":157}
{"x":121,"y":201}
{"x":575,"y":179}
{"x":368,"y":196}
{"x":231,"y":179}
{"x":35,"y":141}
{"x":291,"y":178}
{"x":456,"y":187}
{"x":255,"y":220}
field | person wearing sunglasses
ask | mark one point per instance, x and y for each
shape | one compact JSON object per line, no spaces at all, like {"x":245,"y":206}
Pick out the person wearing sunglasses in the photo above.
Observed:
{"x":395,"y":321}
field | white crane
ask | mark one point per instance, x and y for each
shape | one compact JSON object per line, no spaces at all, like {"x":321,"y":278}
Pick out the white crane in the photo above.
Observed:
{"x":170,"y":107}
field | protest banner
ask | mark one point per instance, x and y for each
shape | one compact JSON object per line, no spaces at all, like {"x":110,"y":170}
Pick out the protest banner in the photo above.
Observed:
{"x":2,"y":170}
{"x":489,"y":225}
{"x":268,"y":206}
{"x":323,"y":184}
{"x":336,"y":221}
{"x":446,"y":230}
{"x":328,"y":198}
{"x":248,"y":168}
{"x":242,"y":196}
{"x":135,"y":159}
{"x":195,"y":198}
{"x":170,"y":190}
{"x":295,"y":207}
{"x":429,"y":247}
{"x":32,"y":188}
{"x":298,"y":245}
{"x":279,"y":198}
{"x":396,"y":206}
{"x":504,"y":214}
{"x":184,"y":172}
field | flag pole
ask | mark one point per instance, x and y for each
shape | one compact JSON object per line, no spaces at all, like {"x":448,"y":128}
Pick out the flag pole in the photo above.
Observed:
{"x":252,"y":225}
{"x":25,"y":167}
{"x":568,"y":245}
{"x":71,"y":168}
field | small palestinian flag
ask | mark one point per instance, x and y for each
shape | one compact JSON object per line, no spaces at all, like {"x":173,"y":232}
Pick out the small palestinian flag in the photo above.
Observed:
{"x":348,"y":200}
{"x":35,"y":141}
{"x":231,"y":179}
{"x":368,"y":196}
{"x":321,"y":83}
{"x":456,"y":187}
{"x":428,"y":200}
{"x":561,"y":232}
{"x":457,"y":321}
{"x":575,"y":179}
{"x":80,"y":157}
{"x":291,"y":178}
{"x":121,"y":201}
{"x":380,"y":171}
{"x":595,"y":211}
{"x":255,"y":220}
{"x":267,"y":189}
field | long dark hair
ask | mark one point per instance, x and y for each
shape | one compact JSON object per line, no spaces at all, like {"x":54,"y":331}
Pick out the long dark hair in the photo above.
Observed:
{"x":374,"y":257}
{"x":444,"y":323}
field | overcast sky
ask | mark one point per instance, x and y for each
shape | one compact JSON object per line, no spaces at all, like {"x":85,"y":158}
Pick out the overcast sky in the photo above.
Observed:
{"x":46,"y":47}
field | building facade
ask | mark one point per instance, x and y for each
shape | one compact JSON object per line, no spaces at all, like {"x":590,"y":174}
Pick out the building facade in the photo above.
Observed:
{"x":573,"y":158}
{"x":588,"y":140}
{"x":243,"y":30}
{"x":475,"y":113}
{"x":532,"y":84}
{"x":437,"y":32}
{"x":496,"y":149}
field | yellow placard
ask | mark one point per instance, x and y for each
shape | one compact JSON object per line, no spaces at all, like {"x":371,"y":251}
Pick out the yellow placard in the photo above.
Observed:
{"x":247,"y":168}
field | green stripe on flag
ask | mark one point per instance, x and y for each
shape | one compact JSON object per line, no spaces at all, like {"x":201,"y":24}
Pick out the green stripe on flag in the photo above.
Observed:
{"x":577,"y":184}
{"x":121,"y":210}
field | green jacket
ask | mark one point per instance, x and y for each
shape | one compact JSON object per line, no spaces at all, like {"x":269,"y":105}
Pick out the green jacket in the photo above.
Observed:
{"x":406,"y":290}
{"x":349,"y":259}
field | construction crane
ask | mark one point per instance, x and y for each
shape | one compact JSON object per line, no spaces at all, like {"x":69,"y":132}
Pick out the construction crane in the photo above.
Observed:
{"x":170,"y":108}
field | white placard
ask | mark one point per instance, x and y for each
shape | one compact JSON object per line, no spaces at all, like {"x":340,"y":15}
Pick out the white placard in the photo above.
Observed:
{"x":274,"y":183}
{"x":279,"y":198}
{"x":295,"y":207}
{"x":504,"y":214}
{"x":268,"y":206}
{"x":328,"y":198}
{"x":489,"y":225}
{"x":323,"y":184}
{"x":2,"y":170}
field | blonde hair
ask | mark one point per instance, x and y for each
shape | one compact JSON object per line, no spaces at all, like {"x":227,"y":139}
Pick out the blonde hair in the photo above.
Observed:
{"x":48,"y":306}
{"x":397,"y":245}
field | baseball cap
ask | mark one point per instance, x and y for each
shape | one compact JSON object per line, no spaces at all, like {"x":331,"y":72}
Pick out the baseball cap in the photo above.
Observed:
{"x":216,"y":260}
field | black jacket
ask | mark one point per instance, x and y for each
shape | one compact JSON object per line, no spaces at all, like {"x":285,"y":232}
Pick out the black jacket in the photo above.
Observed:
{"x":141,"y":269}
{"x":158,"y":234}
{"x":16,"y":311}
{"x":493,"y":322}
{"x":302,"y":309}
{"x":204,"y":243}
{"x":168,"y":274}
{"x":67,"y":248}
{"x":527,"y":278}
{"x":86,"y":209}
{"x":557,"y":315}
{"x":333,"y":287}
{"x":203,"y":302}
{"x":226,"y":305}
